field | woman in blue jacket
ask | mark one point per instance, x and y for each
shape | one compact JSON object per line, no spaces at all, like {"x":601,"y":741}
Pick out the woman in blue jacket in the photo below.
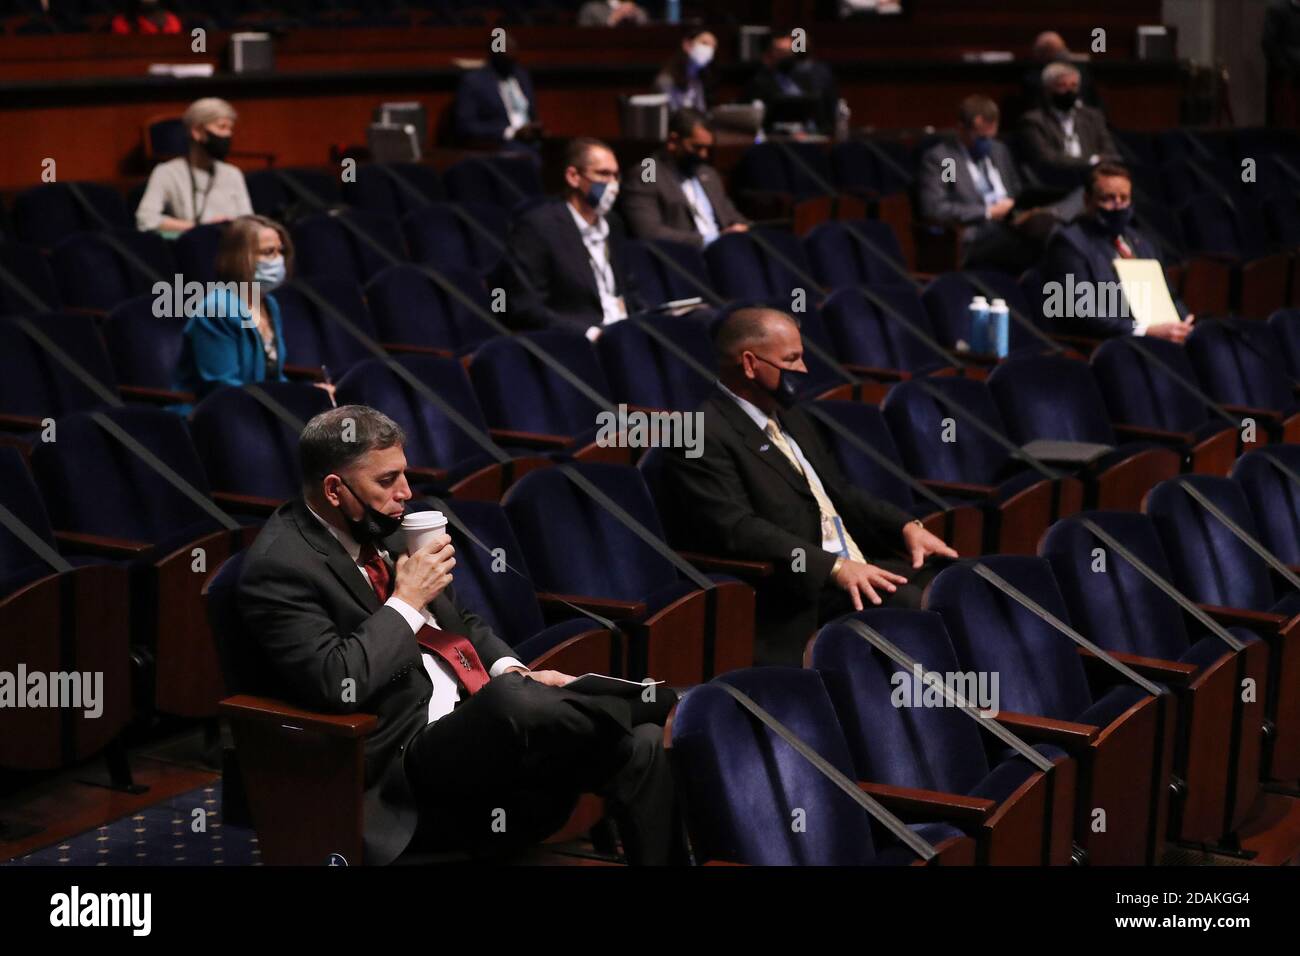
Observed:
{"x":235,"y":338}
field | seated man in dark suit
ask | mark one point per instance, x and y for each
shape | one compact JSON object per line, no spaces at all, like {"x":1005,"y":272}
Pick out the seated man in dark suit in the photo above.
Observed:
{"x":971,"y":183}
{"x":494,"y":104}
{"x":346,"y":621}
{"x":686,"y":200}
{"x":1062,"y":132}
{"x":765,"y":488}
{"x":1084,"y":253}
{"x":566,"y":266}
{"x":794,"y":88}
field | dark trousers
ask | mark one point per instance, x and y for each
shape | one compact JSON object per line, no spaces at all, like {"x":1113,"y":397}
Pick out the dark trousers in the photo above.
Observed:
{"x":505,"y":768}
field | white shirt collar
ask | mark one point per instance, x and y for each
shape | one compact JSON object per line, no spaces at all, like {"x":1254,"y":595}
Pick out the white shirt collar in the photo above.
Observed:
{"x":749,"y":408}
{"x":342,"y":537}
{"x":597,"y":231}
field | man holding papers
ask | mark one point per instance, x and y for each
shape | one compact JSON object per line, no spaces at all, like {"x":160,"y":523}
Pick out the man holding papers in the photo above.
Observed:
{"x":1102,"y":276}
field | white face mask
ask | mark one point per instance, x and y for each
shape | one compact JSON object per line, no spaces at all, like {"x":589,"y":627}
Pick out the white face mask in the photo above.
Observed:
{"x":606,"y":201}
{"x":701,"y":54}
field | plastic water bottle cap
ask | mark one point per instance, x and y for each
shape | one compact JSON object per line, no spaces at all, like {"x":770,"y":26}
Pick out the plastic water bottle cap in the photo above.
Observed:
{"x":979,"y":301}
{"x":999,"y":303}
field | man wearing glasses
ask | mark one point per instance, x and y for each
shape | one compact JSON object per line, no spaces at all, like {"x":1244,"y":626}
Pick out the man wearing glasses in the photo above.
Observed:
{"x":566,"y":264}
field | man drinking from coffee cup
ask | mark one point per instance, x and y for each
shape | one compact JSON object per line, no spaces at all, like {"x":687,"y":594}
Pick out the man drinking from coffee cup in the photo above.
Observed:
{"x":349,"y":623}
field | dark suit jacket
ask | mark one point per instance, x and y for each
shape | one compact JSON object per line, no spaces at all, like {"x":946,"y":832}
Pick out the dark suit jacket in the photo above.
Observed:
{"x":479,"y":112}
{"x":317,"y":622}
{"x":1083,"y":250}
{"x":660,"y":209}
{"x":547,"y":275}
{"x":816,"y":103}
{"x":742,"y":498}
{"x":1043,"y":138}
{"x":959,"y":203}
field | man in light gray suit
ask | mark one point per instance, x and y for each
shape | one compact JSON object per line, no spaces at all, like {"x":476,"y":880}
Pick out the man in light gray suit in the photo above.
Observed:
{"x":686,"y":200}
{"x":971,"y":182}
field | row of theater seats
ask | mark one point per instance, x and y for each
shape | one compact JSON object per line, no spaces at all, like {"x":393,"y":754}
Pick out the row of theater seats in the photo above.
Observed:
{"x":469,"y":417}
{"x":564,"y":544}
{"x":1186,"y":750}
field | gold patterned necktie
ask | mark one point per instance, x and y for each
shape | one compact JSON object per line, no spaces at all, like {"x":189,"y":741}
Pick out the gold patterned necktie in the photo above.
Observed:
{"x":828,"y":512}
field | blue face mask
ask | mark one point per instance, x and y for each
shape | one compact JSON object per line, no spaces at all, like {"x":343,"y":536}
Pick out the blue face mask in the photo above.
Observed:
{"x":981,"y":148}
{"x":1115,"y":221}
{"x":270,"y":272}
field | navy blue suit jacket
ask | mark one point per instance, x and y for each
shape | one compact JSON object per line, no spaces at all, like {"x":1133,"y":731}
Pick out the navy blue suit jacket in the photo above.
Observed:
{"x":1084,"y":250}
{"x":479,"y":110}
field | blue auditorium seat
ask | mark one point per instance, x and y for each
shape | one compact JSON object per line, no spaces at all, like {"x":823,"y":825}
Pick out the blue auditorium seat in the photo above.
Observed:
{"x":744,"y":786}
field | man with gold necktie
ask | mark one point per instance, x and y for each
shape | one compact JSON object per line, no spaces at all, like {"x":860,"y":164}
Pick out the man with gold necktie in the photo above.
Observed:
{"x":765,"y":488}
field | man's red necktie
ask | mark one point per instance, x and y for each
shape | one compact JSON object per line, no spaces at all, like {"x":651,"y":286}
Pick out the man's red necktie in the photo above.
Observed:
{"x":1123,"y":248}
{"x":454,"y":649}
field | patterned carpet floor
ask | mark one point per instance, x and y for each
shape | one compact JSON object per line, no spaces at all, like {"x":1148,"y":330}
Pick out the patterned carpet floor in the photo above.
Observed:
{"x":169,"y":833}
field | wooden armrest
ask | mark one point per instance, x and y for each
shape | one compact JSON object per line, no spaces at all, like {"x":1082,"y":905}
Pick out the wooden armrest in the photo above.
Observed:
{"x":1243,"y":617}
{"x":426,"y":474}
{"x":1141,"y":432}
{"x":231,"y":500}
{"x":880,"y":374}
{"x":162,"y":396}
{"x":608,"y":607}
{"x":20,"y":423}
{"x":532,"y":439}
{"x":405,"y":349}
{"x":1064,"y":733}
{"x":1152,"y":668}
{"x":271,"y":711}
{"x":710,"y":562}
{"x":308,"y":372}
{"x":908,"y":802}
{"x":959,"y":488}
{"x":1270,"y":413}
{"x":100,"y":545}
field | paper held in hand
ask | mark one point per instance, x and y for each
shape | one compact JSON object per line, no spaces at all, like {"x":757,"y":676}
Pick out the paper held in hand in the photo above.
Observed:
{"x":1146,"y":291}
{"x":611,"y":686}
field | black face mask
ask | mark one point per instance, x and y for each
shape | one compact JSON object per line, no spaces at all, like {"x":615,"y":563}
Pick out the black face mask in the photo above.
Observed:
{"x":786,"y":64}
{"x":218,"y":147}
{"x":373,"y":525}
{"x":1115,"y":221}
{"x":502,"y":63}
{"x":689,"y":164}
{"x":1064,"y":101}
{"x":789,"y":383}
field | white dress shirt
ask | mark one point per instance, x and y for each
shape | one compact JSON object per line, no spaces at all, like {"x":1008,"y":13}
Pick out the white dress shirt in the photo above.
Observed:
{"x":830,"y":540}
{"x":595,"y":238}
{"x":446,"y":689}
{"x":706,"y":223}
{"x":516,"y":104}
{"x":985,"y":174}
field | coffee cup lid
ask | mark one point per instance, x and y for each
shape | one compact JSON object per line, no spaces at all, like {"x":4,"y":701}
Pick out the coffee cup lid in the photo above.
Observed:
{"x":423,"y":519}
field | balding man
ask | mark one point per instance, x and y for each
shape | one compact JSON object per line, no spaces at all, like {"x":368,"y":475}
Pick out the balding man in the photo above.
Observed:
{"x":198,"y":187}
{"x":1063,"y":132}
{"x":765,"y":488}
{"x":567,"y":266}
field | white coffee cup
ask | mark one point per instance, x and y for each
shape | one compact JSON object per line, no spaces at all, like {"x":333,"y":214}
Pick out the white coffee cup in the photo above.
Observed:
{"x":421,"y":527}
